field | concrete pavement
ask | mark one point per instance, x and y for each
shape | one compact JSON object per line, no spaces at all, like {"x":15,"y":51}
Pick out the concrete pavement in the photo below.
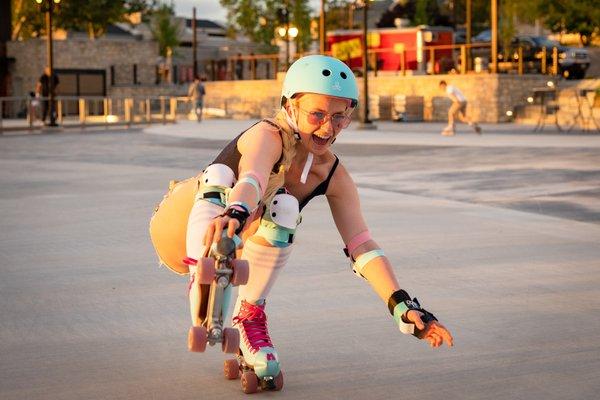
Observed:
{"x":499,"y":236}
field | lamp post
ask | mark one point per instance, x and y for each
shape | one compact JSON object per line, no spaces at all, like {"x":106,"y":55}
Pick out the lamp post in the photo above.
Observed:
{"x":322,"y":28}
{"x":284,"y":18}
{"x":287,"y":32}
{"x":494,"y":17}
{"x":194,"y":43}
{"x":48,"y":8}
{"x":365,"y":122}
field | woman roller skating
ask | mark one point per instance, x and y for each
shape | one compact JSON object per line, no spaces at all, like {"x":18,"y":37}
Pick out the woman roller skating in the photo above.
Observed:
{"x":256,"y":189}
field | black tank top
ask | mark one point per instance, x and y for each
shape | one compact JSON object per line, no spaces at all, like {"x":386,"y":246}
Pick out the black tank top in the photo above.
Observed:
{"x":231,"y":156}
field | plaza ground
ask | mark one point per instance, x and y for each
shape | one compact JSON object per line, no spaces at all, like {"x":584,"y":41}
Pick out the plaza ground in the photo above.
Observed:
{"x":498,"y":235}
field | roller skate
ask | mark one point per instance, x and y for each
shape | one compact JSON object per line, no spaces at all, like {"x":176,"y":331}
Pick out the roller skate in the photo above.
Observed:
{"x":476,"y":127}
{"x":448,"y":131}
{"x":257,"y":360}
{"x":215,"y":276}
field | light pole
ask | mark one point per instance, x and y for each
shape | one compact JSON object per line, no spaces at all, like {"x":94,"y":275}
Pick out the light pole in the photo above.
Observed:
{"x":194,"y":43}
{"x":284,"y":17}
{"x":365,"y":122}
{"x":322,"y":28}
{"x":48,"y":8}
{"x":286,"y":32}
{"x":494,"y":17}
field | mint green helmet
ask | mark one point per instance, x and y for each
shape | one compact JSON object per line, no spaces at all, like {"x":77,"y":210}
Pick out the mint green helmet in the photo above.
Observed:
{"x":322,"y":75}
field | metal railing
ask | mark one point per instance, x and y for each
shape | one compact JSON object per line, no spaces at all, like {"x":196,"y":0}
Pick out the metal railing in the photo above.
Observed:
{"x":26,"y":113}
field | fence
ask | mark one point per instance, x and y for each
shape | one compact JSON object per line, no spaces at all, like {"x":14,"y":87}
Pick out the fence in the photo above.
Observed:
{"x":25,"y":113}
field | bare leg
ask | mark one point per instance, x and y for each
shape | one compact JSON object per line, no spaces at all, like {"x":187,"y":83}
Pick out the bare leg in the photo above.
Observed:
{"x":449,"y":130}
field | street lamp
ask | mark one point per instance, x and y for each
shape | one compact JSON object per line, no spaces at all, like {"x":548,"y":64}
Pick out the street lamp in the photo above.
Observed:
{"x":48,"y":7}
{"x":365,"y":122}
{"x":286,"y":32}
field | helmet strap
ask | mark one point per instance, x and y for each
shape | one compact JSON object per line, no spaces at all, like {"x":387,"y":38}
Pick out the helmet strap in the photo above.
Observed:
{"x":291,"y":120}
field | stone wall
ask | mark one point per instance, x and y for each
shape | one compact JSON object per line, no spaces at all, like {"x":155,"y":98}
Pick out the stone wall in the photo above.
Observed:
{"x":489,"y":96}
{"x":30,"y":59}
{"x":241,"y":99}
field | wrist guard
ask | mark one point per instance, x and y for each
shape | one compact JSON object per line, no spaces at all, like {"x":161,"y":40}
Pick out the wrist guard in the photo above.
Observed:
{"x":399,"y":304}
{"x":238,"y":213}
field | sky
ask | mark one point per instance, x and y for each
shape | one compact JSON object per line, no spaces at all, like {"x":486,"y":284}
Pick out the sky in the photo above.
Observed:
{"x":211,"y":9}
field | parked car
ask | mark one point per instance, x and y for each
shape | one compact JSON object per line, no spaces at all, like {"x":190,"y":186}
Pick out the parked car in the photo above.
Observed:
{"x":482,"y":37}
{"x":572,"y":62}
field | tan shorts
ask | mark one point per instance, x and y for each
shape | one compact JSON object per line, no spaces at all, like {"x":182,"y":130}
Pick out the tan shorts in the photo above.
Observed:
{"x":458,"y":107}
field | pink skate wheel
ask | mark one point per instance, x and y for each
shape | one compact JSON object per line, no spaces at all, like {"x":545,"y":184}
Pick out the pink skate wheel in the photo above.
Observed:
{"x":231,"y":368}
{"x":231,"y":340}
{"x":279,"y":381}
{"x":241,"y":271}
{"x":197,"y":336}
{"x":249,"y":382}
{"x":206,"y":270}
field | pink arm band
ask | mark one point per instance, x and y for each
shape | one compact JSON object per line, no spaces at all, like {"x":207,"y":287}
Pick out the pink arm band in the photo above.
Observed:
{"x":356,"y":241}
{"x":260,"y":178}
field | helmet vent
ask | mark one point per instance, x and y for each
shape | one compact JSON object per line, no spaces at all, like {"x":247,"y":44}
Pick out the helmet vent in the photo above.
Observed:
{"x":326,"y":72}
{"x":343,"y":75}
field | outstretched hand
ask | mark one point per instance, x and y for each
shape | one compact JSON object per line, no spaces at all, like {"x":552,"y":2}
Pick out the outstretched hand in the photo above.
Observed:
{"x":434,"y":332}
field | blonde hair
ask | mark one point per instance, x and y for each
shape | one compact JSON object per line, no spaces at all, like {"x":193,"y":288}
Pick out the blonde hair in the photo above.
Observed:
{"x":277,"y":178}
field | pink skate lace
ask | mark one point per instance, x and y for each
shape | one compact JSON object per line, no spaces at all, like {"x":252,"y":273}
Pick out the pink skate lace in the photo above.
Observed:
{"x":254,"y":321}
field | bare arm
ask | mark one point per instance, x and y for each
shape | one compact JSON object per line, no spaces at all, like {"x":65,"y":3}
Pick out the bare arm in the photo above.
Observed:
{"x":260,"y":148}
{"x":345,"y":207}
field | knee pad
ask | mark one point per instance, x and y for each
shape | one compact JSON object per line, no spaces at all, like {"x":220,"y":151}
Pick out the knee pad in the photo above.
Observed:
{"x":215,"y":183}
{"x":280,"y":219}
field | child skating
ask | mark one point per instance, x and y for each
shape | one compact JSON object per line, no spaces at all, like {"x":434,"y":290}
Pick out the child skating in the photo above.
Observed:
{"x":458,"y":109}
{"x":254,"y":192}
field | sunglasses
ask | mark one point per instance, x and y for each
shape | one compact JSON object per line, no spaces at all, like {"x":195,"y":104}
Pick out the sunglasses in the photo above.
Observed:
{"x":338,"y":120}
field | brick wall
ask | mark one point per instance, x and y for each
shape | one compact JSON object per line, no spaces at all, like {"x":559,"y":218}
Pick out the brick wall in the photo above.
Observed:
{"x":30,"y":59}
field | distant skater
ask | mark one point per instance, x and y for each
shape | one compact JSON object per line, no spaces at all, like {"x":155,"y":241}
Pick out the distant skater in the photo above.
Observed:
{"x":458,"y":109}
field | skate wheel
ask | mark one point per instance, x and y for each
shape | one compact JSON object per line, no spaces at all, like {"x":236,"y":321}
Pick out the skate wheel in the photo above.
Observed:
{"x":249,"y":382}
{"x":279,"y":381}
{"x":206,"y":270}
{"x":231,"y":368}
{"x":231,"y":340}
{"x":197,"y":336}
{"x":241,"y":271}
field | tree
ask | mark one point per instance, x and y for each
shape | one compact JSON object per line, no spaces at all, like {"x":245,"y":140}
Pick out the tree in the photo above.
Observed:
{"x":301,"y":19}
{"x":571,"y":16}
{"x":27,"y":20}
{"x":420,"y":12}
{"x":164,"y":30}
{"x":91,"y":16}
{"x":426,"y":12}
{"x":336,"y":14}
{"x":243,"y":16}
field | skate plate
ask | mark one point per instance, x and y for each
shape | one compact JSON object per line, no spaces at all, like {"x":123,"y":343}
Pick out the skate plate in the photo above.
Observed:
{"x":214,"y":275}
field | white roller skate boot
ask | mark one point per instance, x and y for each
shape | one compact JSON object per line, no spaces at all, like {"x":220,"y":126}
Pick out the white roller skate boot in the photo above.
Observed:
{"x":258,"y":358}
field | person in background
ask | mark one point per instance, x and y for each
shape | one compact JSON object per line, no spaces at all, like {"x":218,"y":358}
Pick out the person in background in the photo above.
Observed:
{"x":42,"y":89}
{"x":458,"y":109}
{"x":239,"y":67}
{"x":196,"y":94}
